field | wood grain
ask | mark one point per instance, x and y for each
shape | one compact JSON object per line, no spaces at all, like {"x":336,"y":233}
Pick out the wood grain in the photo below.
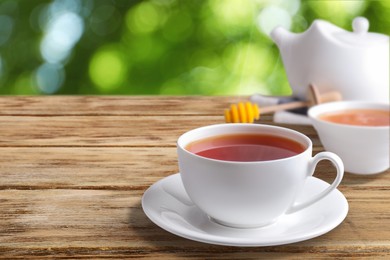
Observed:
{"x":122,"y":168}
{"x":115,"y":105}
{"x":106,"y":130}
{"x":73,"y":171}
{"x":101,"y":220}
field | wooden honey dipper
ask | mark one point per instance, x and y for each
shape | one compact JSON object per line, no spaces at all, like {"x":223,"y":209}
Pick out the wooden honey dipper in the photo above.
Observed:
{"x":248,"y":112}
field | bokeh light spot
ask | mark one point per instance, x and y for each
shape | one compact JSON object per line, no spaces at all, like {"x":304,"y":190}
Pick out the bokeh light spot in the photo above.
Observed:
{"x":25,"y":83}
{"x":273,"y":16}
{"x":145,"y":48}
{"x":291,"y":6}
{"x":338,"y":11}
{"x":105,"y":19}
{"x":232,"y":17}
{"x":1,"y":67}
{"x":61,"y":35}
{"x":107,"y":69}
{"x":178,"y":27}
{"x":6,"y":26}
{"x":49,"y":78}
{"x":247,"y":59}
{"x":144,"y":18}
{"x":59,"y":6}
{"x":233,"y":12}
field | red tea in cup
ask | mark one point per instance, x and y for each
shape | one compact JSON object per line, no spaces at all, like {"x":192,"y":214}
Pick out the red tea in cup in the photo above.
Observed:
{"x":246,"y":147}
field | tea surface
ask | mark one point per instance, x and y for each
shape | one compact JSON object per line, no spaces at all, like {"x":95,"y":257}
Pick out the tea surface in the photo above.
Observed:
{"x":246,"y":147}
{"x":359,"y":117}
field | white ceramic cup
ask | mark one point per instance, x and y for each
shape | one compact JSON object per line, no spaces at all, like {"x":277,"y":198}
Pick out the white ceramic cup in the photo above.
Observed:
{"x":250,"y":194}
{"x":363,"y":149}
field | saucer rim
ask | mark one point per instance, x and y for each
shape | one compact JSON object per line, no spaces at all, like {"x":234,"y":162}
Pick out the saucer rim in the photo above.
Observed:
{"x":249,"y":242}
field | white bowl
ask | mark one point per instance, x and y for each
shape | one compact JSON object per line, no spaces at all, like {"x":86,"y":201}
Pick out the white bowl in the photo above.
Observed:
{"x":363,"y":149}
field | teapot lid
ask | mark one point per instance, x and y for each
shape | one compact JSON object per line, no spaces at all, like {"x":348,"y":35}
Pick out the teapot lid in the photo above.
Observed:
{"x":360,"y":35}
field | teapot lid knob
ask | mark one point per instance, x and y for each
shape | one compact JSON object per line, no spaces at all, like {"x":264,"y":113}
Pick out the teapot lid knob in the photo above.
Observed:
{"x":360,"y":25}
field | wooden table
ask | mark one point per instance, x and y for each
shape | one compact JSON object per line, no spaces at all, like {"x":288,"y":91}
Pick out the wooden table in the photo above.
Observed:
{"x":73,"y":171}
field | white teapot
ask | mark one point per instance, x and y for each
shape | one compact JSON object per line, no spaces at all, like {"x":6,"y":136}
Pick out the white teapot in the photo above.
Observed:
{"x":354,"y":63}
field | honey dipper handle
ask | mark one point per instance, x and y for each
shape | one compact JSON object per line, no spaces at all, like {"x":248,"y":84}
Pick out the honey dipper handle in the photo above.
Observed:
{"x":315,"y":97}
{"x":330,"y":96}
{"x":285,"y":106}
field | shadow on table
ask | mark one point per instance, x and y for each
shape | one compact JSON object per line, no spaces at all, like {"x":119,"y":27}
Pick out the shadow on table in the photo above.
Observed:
{"x":358,"y":179}
{"x":157,"y":240}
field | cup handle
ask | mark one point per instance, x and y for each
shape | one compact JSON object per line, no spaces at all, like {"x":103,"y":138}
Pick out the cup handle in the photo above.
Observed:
{"x":337,"y":162}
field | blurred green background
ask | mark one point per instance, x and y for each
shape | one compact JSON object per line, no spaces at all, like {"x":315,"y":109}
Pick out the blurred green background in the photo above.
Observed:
{"x":161,"y":47}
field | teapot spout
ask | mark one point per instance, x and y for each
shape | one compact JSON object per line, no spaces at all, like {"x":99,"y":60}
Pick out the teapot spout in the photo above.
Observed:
{"x":281,"y":36}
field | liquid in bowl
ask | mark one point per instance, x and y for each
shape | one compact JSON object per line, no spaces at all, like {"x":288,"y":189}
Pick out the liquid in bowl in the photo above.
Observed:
{"x":358,"y":117}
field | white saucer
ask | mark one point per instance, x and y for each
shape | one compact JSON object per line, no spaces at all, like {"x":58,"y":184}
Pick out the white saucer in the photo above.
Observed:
{"x":167,"y":204}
